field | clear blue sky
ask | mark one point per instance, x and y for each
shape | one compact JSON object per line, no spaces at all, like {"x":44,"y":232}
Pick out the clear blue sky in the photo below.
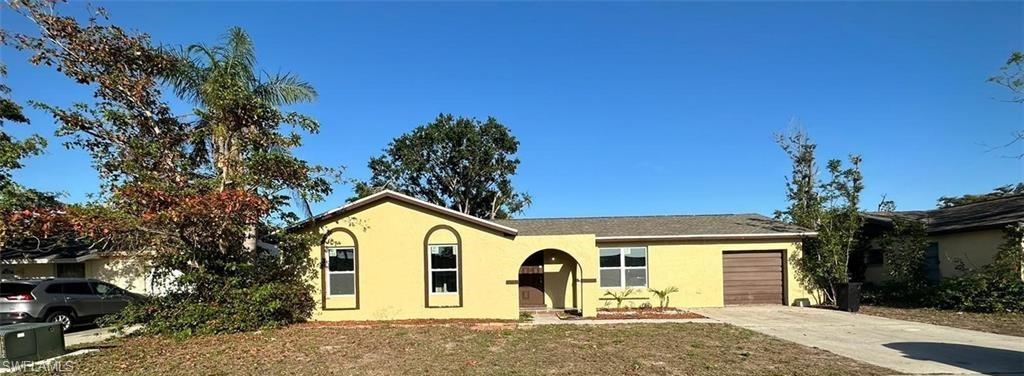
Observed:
{"x":638,"y":108}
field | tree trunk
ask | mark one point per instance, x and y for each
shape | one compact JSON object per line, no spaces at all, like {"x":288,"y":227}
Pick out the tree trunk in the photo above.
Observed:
{"x":831,"y":295}
{"x":494,"y":206}
{"x":249,"y":243}
{"x":225,"y":156}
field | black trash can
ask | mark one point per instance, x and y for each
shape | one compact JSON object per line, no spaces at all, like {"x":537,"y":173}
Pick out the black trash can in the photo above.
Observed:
{"x":848,"y":297}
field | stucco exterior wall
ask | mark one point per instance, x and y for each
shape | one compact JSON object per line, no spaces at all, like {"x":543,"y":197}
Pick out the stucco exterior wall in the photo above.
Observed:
{"x":127,"y":273}
{"x":974,"y":248}
{"x":696,"y":269}
{"x":391,"y":269}
{"x":31,"y":270}
{"x":391,"y":239}
{"x":560,"y":275}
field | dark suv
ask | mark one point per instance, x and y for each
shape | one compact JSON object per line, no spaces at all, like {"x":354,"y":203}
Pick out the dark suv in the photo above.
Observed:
{"x":67,"y":301}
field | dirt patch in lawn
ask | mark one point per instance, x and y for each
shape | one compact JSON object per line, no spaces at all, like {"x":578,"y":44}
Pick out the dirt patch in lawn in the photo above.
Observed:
{"x":685,"y":349}
{"x":999,"y":323}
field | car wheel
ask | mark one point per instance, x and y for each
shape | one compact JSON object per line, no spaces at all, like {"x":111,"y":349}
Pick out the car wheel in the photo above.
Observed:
{"x":63,"y":318}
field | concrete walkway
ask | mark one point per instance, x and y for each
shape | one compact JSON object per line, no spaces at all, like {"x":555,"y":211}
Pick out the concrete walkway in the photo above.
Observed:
{"x":903,"y":346}
{"x":93,"y":335}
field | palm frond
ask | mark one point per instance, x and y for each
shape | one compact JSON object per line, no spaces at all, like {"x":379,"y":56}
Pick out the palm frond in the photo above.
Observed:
{"x":240,"y":51}
{"x":189,"y":74}
{"x":285,"y":89}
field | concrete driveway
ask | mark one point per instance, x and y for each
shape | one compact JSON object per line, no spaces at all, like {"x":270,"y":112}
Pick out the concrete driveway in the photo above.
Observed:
{"x":81,"y":336}
{"x":903,"y":346}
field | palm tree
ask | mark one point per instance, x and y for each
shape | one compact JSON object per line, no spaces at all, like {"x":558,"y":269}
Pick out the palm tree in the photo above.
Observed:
{"x":238,"y":109}
{"x":663,"y":295}
{"x":223,"y":83}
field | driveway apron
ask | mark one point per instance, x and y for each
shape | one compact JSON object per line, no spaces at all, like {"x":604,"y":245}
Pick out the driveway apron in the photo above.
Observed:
{"x":903,"y":346}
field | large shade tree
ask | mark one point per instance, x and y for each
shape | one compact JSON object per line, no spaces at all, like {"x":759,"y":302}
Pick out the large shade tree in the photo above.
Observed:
{"x":829,"y":207}
{"x":165,"y":192}
{"x":460,"y":163}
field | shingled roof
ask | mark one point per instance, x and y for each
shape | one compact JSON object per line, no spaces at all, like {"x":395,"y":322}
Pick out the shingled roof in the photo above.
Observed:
{"x":994,"y":213}
{"x":728,"y":226}
{"x":667,"y":226}
{"x":47,"y":249}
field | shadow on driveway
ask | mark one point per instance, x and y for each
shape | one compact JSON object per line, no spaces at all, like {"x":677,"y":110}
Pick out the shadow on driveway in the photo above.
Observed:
{"x":975,"y":358}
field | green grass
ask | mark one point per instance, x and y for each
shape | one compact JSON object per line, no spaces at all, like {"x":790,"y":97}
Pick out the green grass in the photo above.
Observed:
{"x":684,"y":349}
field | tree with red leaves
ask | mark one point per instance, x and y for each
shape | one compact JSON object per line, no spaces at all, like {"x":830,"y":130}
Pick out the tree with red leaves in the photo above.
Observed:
{"x":185,"y":191}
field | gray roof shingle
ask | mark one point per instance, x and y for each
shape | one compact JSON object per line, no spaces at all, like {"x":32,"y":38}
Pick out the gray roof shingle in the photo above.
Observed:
{"x":666,"y":225}
{"x":979,"y":215}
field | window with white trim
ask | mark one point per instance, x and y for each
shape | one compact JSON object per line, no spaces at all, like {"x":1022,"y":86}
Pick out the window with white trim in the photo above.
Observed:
{"x":340,"y":271}
{"x":443,"y":268}
{"x":623,"y":267}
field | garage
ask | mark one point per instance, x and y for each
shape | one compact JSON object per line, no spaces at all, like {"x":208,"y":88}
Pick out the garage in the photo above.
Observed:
{"x":753,"y":277}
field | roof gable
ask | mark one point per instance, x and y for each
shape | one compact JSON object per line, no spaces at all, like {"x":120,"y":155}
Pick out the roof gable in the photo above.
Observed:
{"x":392,"y":195}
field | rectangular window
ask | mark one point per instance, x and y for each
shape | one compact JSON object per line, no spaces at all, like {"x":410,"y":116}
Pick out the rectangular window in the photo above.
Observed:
{"x":341,"y":271}
{"x":623,"y":267}
{"x":76,"y":270}
{"x":443,"y":266}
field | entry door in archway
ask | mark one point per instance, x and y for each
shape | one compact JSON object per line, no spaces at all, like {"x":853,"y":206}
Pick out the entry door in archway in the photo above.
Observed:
{"x":531,"y":282}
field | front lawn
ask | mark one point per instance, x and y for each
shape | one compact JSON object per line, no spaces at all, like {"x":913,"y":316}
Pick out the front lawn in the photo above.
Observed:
{"x":1000,"y":323}
{"x":690,"y":349}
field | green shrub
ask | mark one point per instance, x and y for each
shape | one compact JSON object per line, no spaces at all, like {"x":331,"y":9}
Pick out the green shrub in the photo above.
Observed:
{"x":252,"y":291}
{"x":981,"y":291}
{"x":996,"y":287}
{"x":892,"y":294}
{"x":238,"y":309}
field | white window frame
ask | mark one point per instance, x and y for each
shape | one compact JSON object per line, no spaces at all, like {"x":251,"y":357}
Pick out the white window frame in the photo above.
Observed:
{"x":622,"y":267}
{"x":431,"y":270}
{"x":328,"y":273}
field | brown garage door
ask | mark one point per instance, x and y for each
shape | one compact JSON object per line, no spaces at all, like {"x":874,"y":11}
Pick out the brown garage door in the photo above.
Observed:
{"x":753,"y":277}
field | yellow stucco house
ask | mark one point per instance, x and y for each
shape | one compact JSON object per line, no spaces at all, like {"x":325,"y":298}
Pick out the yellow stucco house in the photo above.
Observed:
{"x":130,"y":272}
{"x":390,"y":256}
{"x":963,"y":237}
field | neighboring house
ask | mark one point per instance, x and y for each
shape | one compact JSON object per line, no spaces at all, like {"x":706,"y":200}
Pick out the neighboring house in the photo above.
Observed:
{"x":969,"y":235}
{"x":391,"y":256}
{"x":30,"y":260}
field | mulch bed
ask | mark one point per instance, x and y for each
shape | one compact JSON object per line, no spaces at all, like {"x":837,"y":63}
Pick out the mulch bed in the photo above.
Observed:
{"x":643,"y":313}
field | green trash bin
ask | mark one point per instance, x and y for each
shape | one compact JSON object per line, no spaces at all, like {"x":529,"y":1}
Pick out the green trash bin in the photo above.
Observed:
{"x":30,"y":342}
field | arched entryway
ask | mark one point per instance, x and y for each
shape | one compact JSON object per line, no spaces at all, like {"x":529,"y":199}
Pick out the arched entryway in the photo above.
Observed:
{"x":549,"y":279}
